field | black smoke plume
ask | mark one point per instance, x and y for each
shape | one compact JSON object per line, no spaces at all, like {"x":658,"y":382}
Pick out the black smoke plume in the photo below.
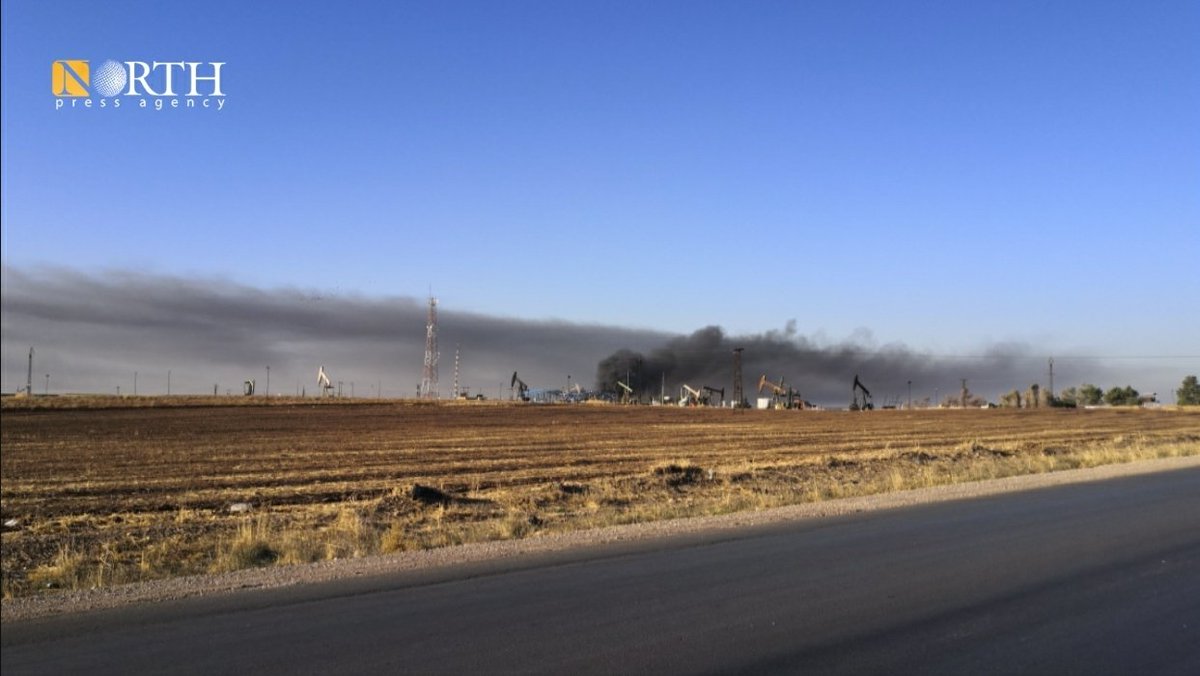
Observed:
{"x":96,"y":332}
{"x":824,"y":373}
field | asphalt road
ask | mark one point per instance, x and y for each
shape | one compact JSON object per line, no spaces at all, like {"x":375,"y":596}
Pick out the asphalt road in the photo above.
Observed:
{"x":1099,"y":578}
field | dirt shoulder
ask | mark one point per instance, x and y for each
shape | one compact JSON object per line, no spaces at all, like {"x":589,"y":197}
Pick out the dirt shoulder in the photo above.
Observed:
{"x":58,"y":603}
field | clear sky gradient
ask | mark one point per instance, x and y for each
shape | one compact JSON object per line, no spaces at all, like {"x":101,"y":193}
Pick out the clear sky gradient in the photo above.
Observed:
{"x":945,"y":174}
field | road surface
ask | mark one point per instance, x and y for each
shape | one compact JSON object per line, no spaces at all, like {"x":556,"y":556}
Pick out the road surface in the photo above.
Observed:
{"x":1090,"y":578}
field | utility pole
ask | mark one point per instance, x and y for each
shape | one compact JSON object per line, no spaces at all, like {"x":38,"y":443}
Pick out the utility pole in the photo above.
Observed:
{"x":1051,"y":377}
{"x":29,"y":376}
{"x":737,"y":377}
{"x":910,"y":395}
{"x":47,"y":390}
{"x":268,"y":393}
{"x":964,"y":392}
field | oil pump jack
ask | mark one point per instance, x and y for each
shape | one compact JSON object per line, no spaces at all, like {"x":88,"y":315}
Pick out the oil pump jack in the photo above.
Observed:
{"x":688,"y":396}
{"x":794,"y":400}
{"x":865,"y":403}
{"x":323,"y":383}
{"x":710,"y":391}
{"x":778,"y":391}
{"x":521,"y":389}
{"x":626,"y":393}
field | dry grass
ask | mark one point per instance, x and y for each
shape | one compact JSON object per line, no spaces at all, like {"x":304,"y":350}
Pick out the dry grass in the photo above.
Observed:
{"x":112,"y":494}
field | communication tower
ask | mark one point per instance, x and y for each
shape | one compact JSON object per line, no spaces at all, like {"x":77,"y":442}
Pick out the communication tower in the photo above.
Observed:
{"x":456,"y":351}
{"x":429,"y":376}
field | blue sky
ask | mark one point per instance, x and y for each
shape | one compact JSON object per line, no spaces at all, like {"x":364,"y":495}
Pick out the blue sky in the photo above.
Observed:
{"x":944,"y":174}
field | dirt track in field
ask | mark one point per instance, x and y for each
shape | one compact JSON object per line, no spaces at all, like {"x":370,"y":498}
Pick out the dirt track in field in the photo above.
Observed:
{"x":131,"y":476}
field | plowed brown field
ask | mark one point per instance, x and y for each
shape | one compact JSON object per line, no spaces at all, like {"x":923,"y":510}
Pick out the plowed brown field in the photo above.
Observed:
{"x":106,"y":495}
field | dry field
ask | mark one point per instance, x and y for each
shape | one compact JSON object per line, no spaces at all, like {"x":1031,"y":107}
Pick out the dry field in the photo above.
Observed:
{"x":106,"y":491}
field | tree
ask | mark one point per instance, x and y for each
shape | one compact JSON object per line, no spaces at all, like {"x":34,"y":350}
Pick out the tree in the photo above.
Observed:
{"x":1032,"y":399}
{"x":1189,"y":392}
{"x":1011,"y":400}
{"x":1090,"y":395}
{"x":966,"y":399}
{"x":1069,"y":397}
{"x":1121,"y":396}
{"x":956,"y":401}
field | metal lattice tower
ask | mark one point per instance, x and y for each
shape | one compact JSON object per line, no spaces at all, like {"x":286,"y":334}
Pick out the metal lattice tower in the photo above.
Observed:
{"x":737,"y":377}
{"x":429,"y":376}
{"x":456,"y":351}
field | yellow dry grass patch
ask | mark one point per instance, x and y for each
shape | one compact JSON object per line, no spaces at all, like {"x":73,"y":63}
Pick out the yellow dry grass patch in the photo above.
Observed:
{"x":110,"y":495}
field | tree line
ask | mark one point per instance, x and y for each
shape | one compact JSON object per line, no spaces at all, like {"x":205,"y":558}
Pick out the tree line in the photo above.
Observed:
{"x":1088,"y":394}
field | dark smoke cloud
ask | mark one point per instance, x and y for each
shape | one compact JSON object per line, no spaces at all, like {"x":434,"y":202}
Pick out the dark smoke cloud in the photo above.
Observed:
{"x":824,"y":373}
{"x":92,"y":332}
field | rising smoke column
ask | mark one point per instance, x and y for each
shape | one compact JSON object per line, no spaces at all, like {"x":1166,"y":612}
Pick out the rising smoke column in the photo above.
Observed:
{"x":821,"y":373}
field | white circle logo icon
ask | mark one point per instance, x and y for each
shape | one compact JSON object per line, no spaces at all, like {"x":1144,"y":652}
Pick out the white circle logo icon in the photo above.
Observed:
{"x":109,"y":79}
